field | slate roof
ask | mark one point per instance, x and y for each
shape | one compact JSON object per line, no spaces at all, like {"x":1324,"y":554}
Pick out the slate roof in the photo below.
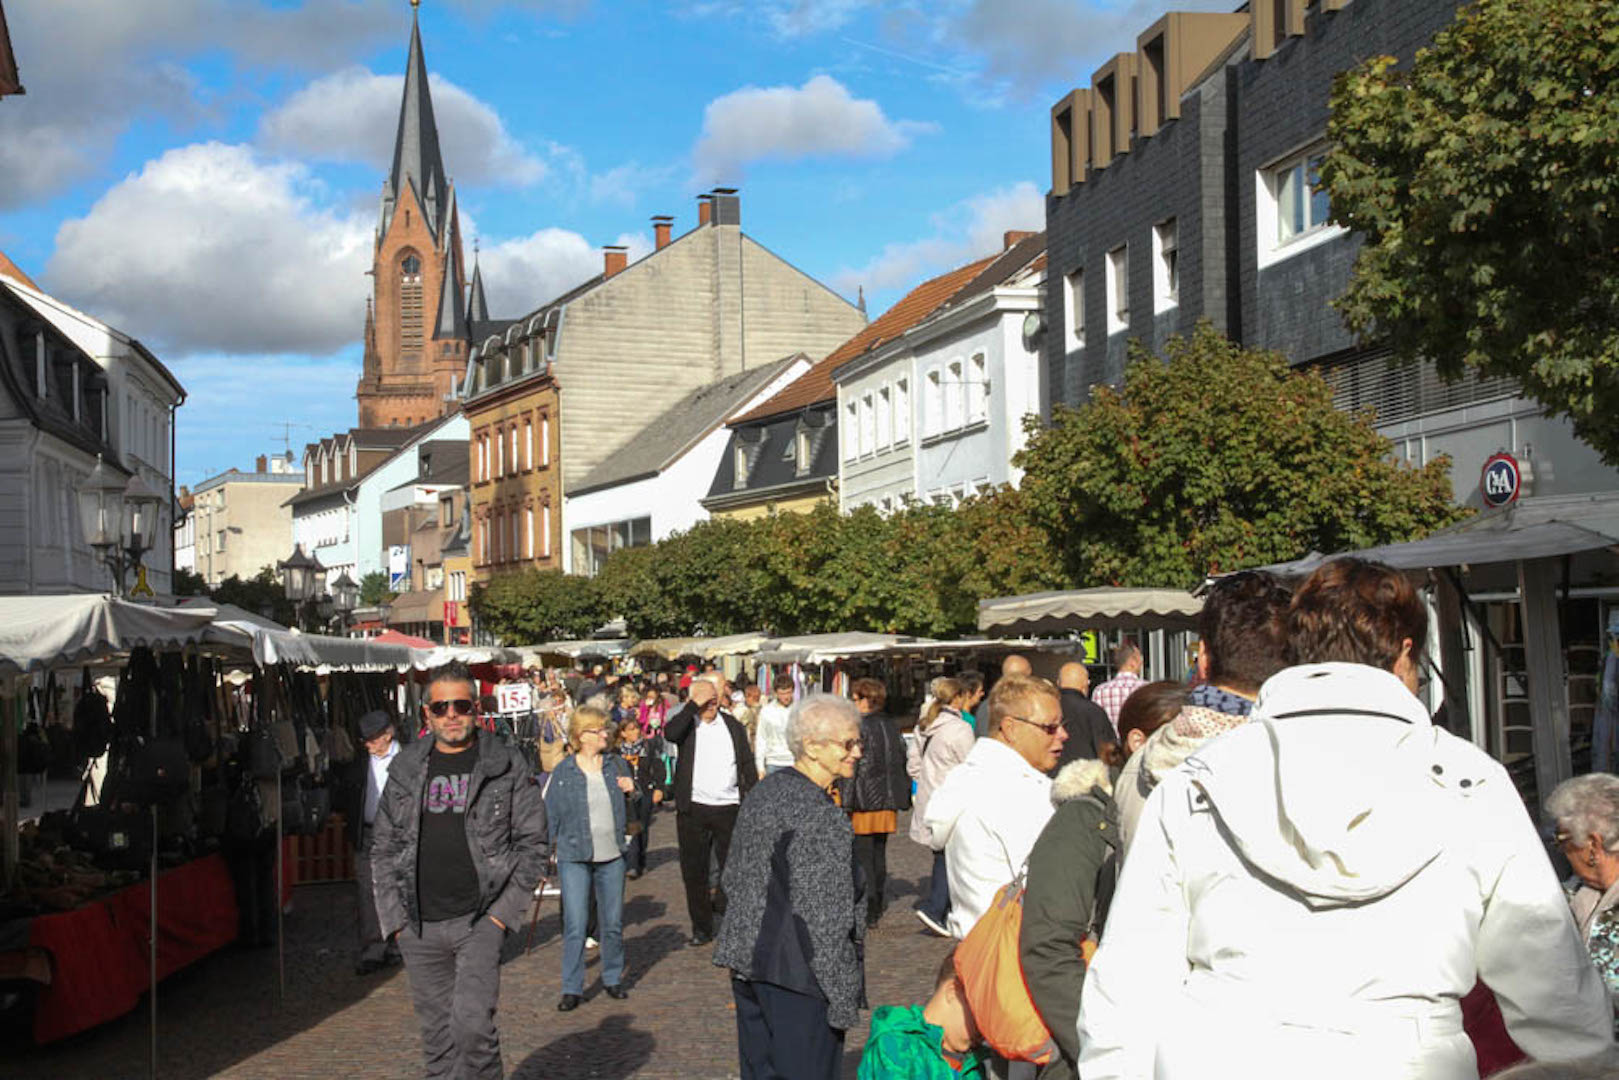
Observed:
{"x":771,"y":473}
{"x":816,"y":385}
{"x":663,"y":441}
{"x":448,"y":463}
{"x":477,"y":304}
{"x":9,"y":81}
{"x":53,"y":413}
{"x":417,"y":160}
{"x":388,"y":438}
{"x":452,"y":318}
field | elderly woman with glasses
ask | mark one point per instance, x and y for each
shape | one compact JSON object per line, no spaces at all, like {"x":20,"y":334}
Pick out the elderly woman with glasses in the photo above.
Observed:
{"x":585,"y":806}
{"x":793,"y":935}
{"x":1586,"y":810}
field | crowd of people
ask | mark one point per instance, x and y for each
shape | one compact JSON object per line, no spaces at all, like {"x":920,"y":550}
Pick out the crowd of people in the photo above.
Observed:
{"x":1278,"y":867}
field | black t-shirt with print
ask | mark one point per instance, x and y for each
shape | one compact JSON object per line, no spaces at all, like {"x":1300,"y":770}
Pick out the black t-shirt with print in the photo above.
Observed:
{"x":446,"y":880}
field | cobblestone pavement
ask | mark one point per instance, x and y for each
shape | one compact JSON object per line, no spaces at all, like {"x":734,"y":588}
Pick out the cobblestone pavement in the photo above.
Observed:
{"x":222,"y":1017}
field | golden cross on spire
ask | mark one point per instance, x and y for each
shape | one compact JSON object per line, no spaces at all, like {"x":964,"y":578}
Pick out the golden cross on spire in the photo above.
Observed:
{"x":415,"y":3}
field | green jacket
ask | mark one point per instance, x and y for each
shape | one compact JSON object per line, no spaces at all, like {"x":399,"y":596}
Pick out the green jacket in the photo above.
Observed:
{"x":903,"y":1046}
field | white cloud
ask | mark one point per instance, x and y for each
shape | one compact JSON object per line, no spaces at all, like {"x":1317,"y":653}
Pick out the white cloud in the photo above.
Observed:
{"x":210,"y":248}
{"x":353,"y":114}
{"x":523,"y":273}
{"x":785,"y":123}
{"x":971,"y":229}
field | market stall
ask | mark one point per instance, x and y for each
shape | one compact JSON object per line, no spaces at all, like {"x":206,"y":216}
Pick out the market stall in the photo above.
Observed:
{"x":1163,"y":617}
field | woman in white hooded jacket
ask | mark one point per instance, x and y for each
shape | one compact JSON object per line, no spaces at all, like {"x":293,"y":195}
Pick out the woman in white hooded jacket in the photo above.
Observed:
{"x":1315,"y":892}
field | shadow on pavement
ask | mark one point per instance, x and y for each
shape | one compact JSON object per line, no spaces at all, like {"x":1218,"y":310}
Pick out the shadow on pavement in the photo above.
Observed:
{"x":643,"y":953}
{"x":612,"y":1050}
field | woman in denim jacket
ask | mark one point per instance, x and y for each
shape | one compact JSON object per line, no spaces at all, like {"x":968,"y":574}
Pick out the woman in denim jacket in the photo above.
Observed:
{"x":585,"y":807}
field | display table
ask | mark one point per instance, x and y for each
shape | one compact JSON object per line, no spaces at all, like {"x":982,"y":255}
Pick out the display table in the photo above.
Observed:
{"x":99,"y":952}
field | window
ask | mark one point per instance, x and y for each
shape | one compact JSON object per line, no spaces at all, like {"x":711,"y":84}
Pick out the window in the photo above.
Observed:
{"x":955,"y":386}
{"x":1166,"y":281}
{"x":885,"y":418}
{"x":1074,"y":306}
{"x":515,"y":552}
{"x":511,"y":438}
{"x":932,"y":404}
{"x":528,"y":444}
{"x":528,"y":533}
{"x":1293,"y":212}
{"x":410,"y":306}
{"x":354,"y":459}
{"x":545,"y":441}
{"x":545,"y":531}
{"x":902,"y":411}
{"x":851,"y":431}
{"x":801,"y":442}
{"x":1118,"y":289}
{"x":220,"y":543}
{"x":593,"y":545}
{"x":739,"y":467}
{"x":500,"y":454}
{"x":446,"y":510}
{"x":977,"y":389}
{"x":868,"y":425}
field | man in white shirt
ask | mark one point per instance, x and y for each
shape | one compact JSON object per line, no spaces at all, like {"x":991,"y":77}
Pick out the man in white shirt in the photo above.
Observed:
{"x":714,"y":771}
{"x":770,"y":739}
{"x":377,"y":734}
{"x":992,"y":807}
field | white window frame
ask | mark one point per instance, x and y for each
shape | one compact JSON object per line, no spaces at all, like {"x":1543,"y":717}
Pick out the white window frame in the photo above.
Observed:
{"x":545,"y":531}
{"x":1118,"y":289}
{"x":739,"y":466}
{"x":511,"y":439}
{"x":528,"y":538}
{"x":868,"y":424}
{"x":955,"y":395}
{"x":1074,"y":307}
{"x":850,"y":436}
{"x":545,"y":442}
{"x":1269,"y":184}
{"x":1165,"y":265}
{"x":528,"y":443}
{"x":902,"y":412}
{"x":500,"y":453}
{"x":885,"y":417}
{"x":977,"y":389}
{"x":932,"y":403}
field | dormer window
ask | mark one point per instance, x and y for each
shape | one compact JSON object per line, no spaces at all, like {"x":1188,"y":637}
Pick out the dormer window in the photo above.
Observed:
{"x":739,"y":466}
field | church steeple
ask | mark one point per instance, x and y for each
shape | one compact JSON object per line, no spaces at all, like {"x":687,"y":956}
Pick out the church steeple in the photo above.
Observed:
{"x":417,"y":162}
{"x":477,"y":305}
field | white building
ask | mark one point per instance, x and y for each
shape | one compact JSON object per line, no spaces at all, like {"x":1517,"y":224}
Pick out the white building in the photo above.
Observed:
{"x":936,"y":413}
{"x":653,"y":486}
{"x":73,"y":388}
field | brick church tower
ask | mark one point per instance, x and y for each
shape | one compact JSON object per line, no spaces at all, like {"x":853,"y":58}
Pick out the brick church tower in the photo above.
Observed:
{"x":416,"y":331}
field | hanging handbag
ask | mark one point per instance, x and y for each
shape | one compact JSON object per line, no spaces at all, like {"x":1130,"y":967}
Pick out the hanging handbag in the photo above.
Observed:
{"x":158,"y":771}
{"x":295,"y":817}
{"x":245,"y":818}
{"x":263,"y":757}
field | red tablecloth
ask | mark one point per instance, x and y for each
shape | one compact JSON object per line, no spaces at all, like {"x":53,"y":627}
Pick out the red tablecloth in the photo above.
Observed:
{"x":99,"y":951}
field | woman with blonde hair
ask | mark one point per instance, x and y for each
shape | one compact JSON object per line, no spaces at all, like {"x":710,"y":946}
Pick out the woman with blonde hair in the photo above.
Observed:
{"x":943,"y":739}
{"x":586,"y":814}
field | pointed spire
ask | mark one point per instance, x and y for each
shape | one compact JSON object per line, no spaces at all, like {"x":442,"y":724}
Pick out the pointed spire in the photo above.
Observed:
{"x":477,"y":305}
{"x":862,"y":304}
{"x":417,"y":161}
{"x":452,"y":320}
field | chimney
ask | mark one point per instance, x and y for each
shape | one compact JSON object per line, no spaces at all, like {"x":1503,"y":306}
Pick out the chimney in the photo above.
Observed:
{"x":615,"y":258}
{"x":661,"y":226}
{"x":705,"y":210}
{"x":263,"y":464}
{"x":727,"y":206}
{"x":1014,"y":236}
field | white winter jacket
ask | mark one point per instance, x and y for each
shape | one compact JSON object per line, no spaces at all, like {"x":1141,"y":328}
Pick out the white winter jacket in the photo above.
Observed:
{"x":933,"y":755}
{"x":1313,"y":893}
{"x":986,"y":817}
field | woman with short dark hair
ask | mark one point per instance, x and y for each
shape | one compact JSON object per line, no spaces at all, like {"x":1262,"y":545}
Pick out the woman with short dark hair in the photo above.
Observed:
{"x":879,"y":789}
{"x":1315,"y":891}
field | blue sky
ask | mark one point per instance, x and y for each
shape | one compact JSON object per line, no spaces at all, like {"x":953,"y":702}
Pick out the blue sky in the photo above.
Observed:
{"x":204,"y":173}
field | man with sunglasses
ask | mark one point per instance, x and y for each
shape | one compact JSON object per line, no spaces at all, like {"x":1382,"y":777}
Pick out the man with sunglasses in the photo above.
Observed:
{"x":992,"y":807}
{"x":460,"y":843}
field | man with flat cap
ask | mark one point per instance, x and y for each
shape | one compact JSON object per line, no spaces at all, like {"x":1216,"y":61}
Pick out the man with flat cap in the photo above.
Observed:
{"x":371,"y":776}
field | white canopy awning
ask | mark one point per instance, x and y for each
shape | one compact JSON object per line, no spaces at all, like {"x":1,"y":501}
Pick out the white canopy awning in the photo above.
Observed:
{"x":1040,"y":613}
{"x":732,"y":645}
{"x":40,"y":632}
{"x":824,"y":648}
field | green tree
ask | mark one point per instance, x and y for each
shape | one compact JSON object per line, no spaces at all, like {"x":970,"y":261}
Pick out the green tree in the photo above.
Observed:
{"x":262,"y":594}
{"x":539,"y":605}
{"x":1484,"y":178}
{"x":1212,"y":459}
{"x":187,"y":583}
{"x":374,"y":589}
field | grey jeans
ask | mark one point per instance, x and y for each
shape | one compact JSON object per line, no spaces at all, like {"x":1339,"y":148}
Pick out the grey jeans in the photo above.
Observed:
{"x":454,"y":968}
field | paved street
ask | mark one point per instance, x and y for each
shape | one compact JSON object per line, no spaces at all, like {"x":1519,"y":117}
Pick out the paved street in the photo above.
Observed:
{"x":220,"y":1018}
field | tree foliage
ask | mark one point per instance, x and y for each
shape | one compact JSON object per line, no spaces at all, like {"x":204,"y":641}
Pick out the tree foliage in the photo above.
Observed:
{"x":1485,"y":180}
{"x":262,"y":594}
{"x":374,"y":589}
{"x":539,"y":605}
{"x":1212,"y":459}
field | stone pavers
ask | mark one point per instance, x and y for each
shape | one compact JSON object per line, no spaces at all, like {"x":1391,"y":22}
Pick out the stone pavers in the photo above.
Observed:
{"x":222,"y":1017}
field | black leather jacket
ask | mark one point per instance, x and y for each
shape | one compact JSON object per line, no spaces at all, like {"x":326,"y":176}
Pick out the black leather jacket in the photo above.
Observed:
{"x":505,"y":825}
{"x":880,"y":781}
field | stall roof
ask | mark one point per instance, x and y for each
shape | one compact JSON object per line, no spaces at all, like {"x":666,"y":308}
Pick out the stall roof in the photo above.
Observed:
{"x":1532,"y":528}
{"x":823,"y":648}
{"x":40,"y":632}
{"x":1106,"y":608}
{"x":733,"y":644}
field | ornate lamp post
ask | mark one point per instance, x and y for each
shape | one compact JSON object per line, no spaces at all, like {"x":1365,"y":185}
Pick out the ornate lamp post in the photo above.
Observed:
{"x":119,"y":518}
{"x":304,"y":578}
{"x":345,"y":597}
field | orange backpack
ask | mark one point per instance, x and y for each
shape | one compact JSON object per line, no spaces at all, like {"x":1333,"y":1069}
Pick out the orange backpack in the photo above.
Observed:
{"x":992,"y":981}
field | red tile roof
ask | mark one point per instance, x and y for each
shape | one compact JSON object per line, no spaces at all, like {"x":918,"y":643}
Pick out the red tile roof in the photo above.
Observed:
{"x":815,"y":385}
{"x":11,"y":269}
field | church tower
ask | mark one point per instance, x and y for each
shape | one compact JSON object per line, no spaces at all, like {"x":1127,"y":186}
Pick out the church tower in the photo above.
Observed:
{"x":416,"y":334}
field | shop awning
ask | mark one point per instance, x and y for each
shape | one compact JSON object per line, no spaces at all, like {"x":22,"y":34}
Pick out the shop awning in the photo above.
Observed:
{"x":1034,"y":614}
{"x":732,"y":645}
{"x":669,"y":648}
{"x":40,"y":632}
{"x":824,"y":648}
{"x":1534,"y":528}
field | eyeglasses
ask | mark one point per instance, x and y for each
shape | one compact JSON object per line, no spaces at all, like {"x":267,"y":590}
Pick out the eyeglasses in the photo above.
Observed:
{"x":463,"y":707}
{"x":1050,"y":729}
{"x":849,"y":746}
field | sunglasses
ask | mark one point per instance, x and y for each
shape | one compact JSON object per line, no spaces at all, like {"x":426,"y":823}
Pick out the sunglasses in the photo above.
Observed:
{"x":463,"y":707}
{"x":1050,"y":729}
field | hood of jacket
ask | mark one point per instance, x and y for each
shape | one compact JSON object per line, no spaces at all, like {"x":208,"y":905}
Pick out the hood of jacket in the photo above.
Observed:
{"x":990,"y":768}
{"x":1077,"y":779}
{"x":1322,"y":791}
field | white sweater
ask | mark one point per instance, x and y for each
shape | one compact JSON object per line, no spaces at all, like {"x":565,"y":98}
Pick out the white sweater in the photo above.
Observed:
{"x":986,"y":817}
{"x":1313,"y":893}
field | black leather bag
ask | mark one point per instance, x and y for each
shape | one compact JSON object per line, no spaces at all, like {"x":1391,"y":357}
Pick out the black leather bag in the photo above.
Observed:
{"x":295,"y":818}
{"x":244,"y":817}
{"x":159,"y":771}
{"x":262,"y":757}
{"x":118,"y":838}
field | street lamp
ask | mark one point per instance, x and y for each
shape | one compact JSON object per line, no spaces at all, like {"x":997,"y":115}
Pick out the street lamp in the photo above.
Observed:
{"x":119,"y":517}
{"x":345,"y":593}
{"x":304,"y":579}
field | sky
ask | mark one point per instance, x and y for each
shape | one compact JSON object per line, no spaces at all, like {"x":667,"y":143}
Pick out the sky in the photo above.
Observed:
{"x":205,"y":174}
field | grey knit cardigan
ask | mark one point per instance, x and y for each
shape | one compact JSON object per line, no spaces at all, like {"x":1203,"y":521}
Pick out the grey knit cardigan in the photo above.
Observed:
{"x":791,"y":892}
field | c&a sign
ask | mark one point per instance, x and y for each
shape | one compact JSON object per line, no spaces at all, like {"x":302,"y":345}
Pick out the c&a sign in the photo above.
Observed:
{"x":1501,"y":480}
